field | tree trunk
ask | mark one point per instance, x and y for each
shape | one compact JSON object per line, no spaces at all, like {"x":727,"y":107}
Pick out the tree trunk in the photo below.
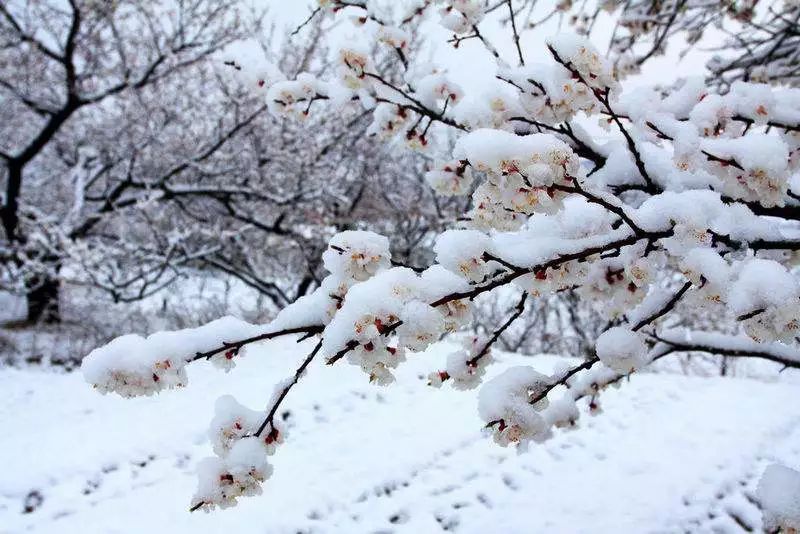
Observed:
{"x":43,"y":301}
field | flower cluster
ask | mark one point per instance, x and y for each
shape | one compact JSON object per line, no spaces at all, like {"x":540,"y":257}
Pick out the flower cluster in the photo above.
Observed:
{"x":436,"y":88}
{"x":618,"y":284}
{"x":238,"y":474}
{"x":462,"y":252}
{"x":753,"y":168}
{"x":524,"y":174}
{"x":459,"y":16}
{"x":356,"y":255}
{"x":592,"y":67}
{"x":293,"y":98}
{"x":133,"y":365}
{"x":138,"y":374}
{"x":769,"y":296}
{"x":373,"y":353}
{"x":240,"y":465}
{"x":551,"y":94}
{"x":761,"y":293}
{"x":394,"y":37}
{"x":381,"y":317}
{"x":450,"y":178}
{"x":353,"y":64}
{"x":465,"y":367}
{"x":505,"y":404}
{"x":389,"y":121}
{"x":422,"y":325}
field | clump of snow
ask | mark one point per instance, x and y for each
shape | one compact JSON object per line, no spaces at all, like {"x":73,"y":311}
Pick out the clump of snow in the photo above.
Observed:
{"x":318,"y":308}
{"x":767,"y":292}
{"x":238,"y":474}
{"x":761,"y":173}
{"x":741,"y":343}
{"x":459,"y":16}
{"x":436,"y":88}
{"x":562,"y":412}
{"x":422,"y":325}
{"x":779,"y":494}
{"x":709,"y":273}
{"x":461,"y":252}
{"x":466,"y":366}
{"x":753,"y":100}
{"x":356,"y":254}
{"x":705,"y":263}
{"x":760,"y":284}
{"x":711,"y":114}
{"x":133,"y":365}
{"x":127,"y":366}
{"x":542,"y":157}
{"x":621,"y":349}
{"x":583,"y":57}
{"x":436,"y":282}
{"x":231,"y":422}
{"x":504,"y":403}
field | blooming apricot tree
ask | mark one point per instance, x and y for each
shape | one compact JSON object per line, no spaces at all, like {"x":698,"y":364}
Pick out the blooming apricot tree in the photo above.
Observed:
{"x":682,"y":181}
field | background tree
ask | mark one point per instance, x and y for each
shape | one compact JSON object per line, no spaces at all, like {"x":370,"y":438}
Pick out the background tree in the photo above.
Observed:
{"x":146,"y":156}
{"x":72,"y":60}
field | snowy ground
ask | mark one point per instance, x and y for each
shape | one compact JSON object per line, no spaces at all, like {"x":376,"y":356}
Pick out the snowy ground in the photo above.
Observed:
{"x":669,"y":454}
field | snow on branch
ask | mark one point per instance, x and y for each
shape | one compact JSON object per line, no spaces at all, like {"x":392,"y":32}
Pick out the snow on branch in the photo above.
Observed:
{"x":686,"y":203}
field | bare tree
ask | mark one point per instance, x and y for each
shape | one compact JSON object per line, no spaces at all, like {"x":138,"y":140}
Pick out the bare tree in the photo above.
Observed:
{"x":116,"y":194}
{"x":57,"y":61}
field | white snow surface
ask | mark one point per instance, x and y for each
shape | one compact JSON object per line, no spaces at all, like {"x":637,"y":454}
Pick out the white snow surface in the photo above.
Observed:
{"x":668,"y":453}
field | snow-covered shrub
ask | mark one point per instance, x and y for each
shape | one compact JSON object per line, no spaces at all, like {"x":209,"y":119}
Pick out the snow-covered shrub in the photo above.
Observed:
{"x":675,"y":187}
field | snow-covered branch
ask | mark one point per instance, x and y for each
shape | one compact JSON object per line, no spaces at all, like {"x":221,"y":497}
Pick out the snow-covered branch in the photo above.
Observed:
{"x":680,"y":204}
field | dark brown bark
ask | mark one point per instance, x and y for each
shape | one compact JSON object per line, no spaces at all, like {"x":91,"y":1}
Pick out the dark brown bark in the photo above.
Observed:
{"x":43,"y":301}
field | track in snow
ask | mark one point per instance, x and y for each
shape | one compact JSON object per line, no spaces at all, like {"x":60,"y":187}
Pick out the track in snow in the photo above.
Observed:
{"x":669,"y":454}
